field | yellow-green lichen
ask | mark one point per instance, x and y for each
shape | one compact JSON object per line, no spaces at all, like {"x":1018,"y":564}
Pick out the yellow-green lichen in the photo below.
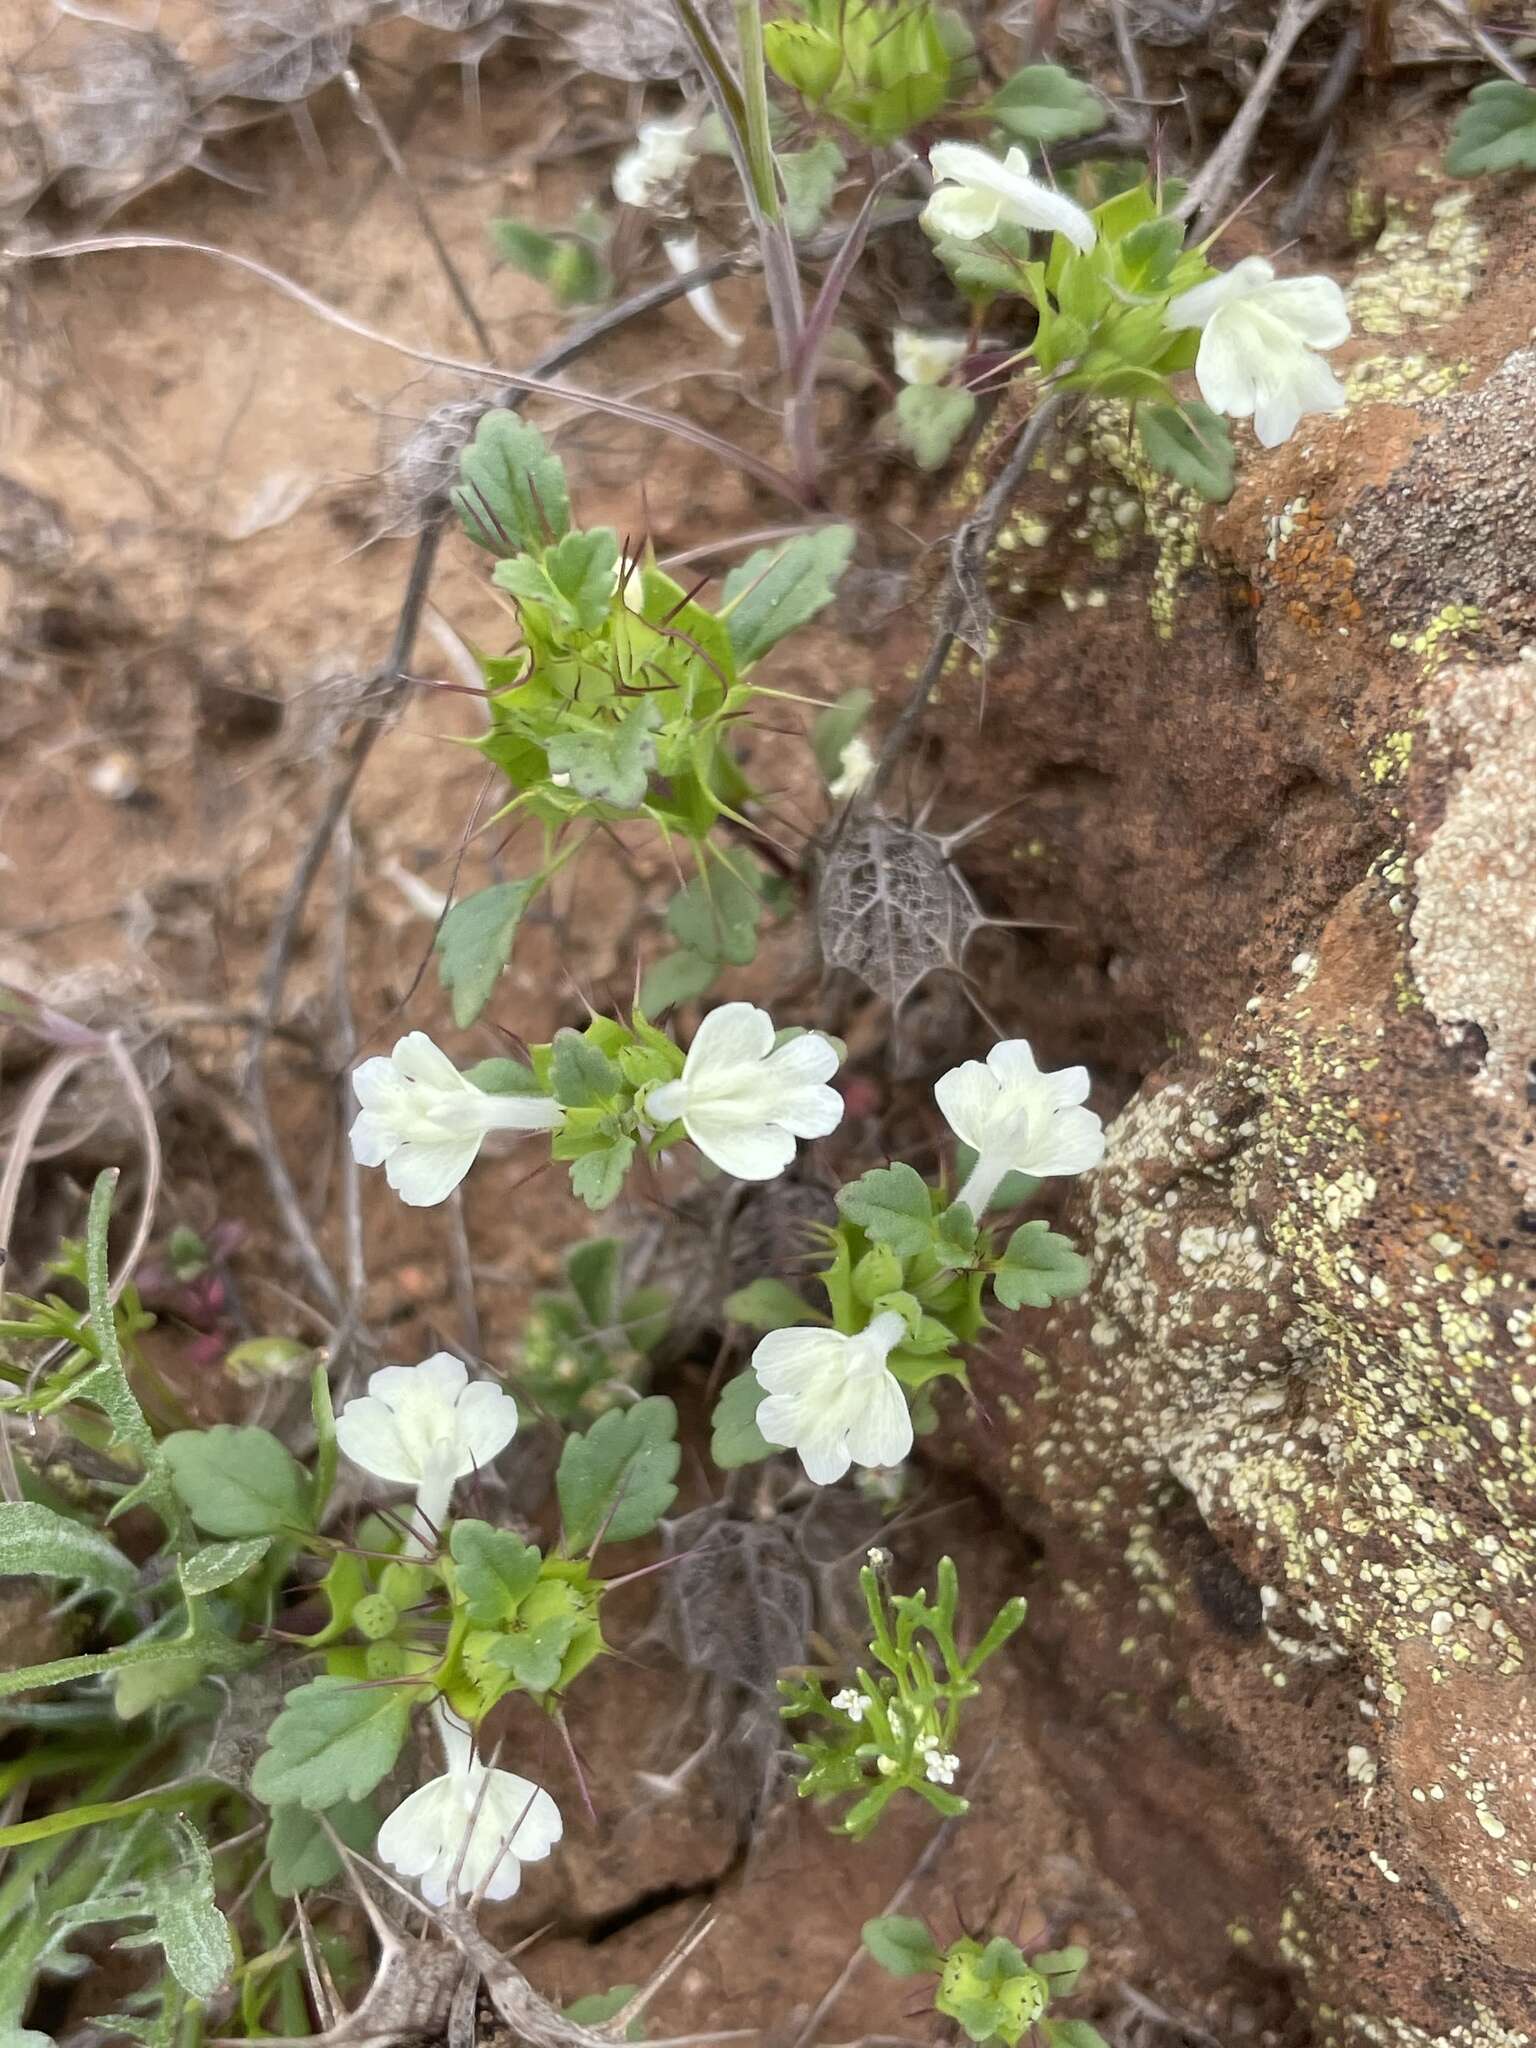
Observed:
{"x":1423,"y":269}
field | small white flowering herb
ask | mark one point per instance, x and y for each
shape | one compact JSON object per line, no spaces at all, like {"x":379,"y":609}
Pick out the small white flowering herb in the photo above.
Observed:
{"x":895,"y":1729}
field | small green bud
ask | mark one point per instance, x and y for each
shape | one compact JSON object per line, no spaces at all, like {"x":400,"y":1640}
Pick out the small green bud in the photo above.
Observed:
{"x":269,"y":1358}
{"x":386,"y":1660}
{"x":403,"y":1585}
{"x":375,"y":1617}
{"x":804,"y":56}
{"x":1020,"y":2002}
{"x":878,"y":1273}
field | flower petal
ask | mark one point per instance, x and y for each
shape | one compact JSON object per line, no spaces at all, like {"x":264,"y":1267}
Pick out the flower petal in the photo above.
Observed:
{"x":735,"y":1034}
{"x":377,"y":1084}
{"x":399,"y":1385}
{"x":959,"y":211}
{"x":881,"y":1433}
{"x":1303,"y":385}
{"x":968,"y":1096}
{"x":420,"y":1060}
{"x":793,"y":1361}
{"x":1043,"y":207}
{"x":1313,"y":308}
{"x":810,"y":1057}
{"x":488,"y":1418}
{"x":824,"y":1449}
{"x":1195,"y":307}
{"x":412,"y":1838}
{"x":1069,"y":1142}
{"x":665,"y":1104}
{"x":751,"y":1152}
{"x":521,"y":1113}
{"x":526,"y":1814}
{"x":423,"y":1175}
{"x":368,"y":1432}
{"x":372,"y":1138}
{"x":1223,"y":369}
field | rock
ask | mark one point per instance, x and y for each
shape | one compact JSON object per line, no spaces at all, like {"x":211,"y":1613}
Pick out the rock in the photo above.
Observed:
{"x":1281,"y":1458}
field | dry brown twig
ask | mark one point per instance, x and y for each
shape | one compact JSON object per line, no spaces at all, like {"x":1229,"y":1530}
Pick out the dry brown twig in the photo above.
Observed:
{"x":1216,"y":180}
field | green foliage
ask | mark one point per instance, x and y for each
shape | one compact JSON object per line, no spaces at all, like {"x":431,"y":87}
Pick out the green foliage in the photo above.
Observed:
{"x":584,"y":1348}
{"x":903,"y":1947}
{"x":779,"y":589}
{"x":303,"y":1855}
{"x":810,"y":178}
{"x":616,"y":1481}
{"x":335,"y":1739}
{"x":496,"y":1570}
{"x":881,"y":67}
{"x":1038,"y":1267}
{"x":1042,"y":105}
{"x":929,"y":420}
{"x":218,"y":1565}
{"x":571,"y":261}
{"x":735,"y":1439}
{"x":717,"y":915}
{"x":512,"y":490}
{"x":598,"y":2007}
{"x":474,"y":943}
{"x":900,"y":1734}
{"x":238,"y":1481}
{"x":34,"y":1540}
{"x":892,"y":1206}
{"x":1496,"y":130}
{"x":769,"y":1305}
{"x":1191,"y":444}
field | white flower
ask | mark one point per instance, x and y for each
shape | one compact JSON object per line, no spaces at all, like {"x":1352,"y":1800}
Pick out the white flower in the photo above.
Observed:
{"x":1259,"y":341}
{"x":877,"y":1557}
{"x":1018,"y":1120}
{"x":926,"y":358}
{"x":855,"y":765}
{"x":940,"y":1769}
{"x":742,"y":1100}
{"x":424,"y":1123}
{"x":487,"y":1823}
{"x":662,"y":157}
{"x":427,"y":1426}
{"x":833,"y":1398}
{"x":851,"y":1703}
{"x":976,"y":193}
{"x":683,"y":255}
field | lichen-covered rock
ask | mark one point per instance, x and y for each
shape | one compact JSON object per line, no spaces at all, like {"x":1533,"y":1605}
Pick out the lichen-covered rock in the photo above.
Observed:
{"x":1281,"y":1458}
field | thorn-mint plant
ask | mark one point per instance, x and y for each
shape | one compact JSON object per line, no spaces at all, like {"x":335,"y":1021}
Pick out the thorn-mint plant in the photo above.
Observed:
{"x":989,"y":1988}
{"x":620,"y":698}
{"x":895,"y":1727}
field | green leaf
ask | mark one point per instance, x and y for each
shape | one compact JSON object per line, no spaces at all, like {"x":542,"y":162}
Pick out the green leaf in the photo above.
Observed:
{"x":769,"y":1305}
{"x":575,"y":578}
{"x":496,"y":1570}
{"x":955,"y":1230}
{"x":581,"y":1075}
{"x":930,"y":418}
{"x":503,"y":1077}
{"x":616,"y":1480}
{"x":569,"y":264}
{"x":597,"y":1177}
{"x":778,"y":589}
{"x":610,"y":764}
{"x":1191,"y":444}
{"x":534,"y":1655}
{"x":238,"y":1481}
{"x":512,"y":480}
{"x":645,"y":1316}
{"x":902,"y":1946}
{"x":810,"y":179}
{"x":716,"y":917}
{"x":1071,"y":2034}
{"x":1044,"y":104}
{"x":592,"y":1269}
{"x":1496,"y":131}
{"x":674,"y":979}
{"x":598,"y":2007}
{"x":1062,"y":1967}
{"x":474,"y":943}
{"x":301,"y":1850}
{"x":892,"y":1205}
{"x":36,"y":1541}
{"x":833,"y":730}
{"x":220,"y":1564}
{"x":188,"y":1924}
{"x":1039,"y":1267}
{"x":736,"y":1439}
{"x":334,"y":1740}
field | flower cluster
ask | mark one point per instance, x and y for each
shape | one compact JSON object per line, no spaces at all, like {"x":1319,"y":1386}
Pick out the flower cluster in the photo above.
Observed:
{"x":1118,"y":295}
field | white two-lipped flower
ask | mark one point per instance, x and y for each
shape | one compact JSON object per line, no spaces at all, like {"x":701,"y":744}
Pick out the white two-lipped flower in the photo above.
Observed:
{"x":1018,"y":1120}
{"x":743,"y":1100}
{"x":926,"y":358}
{"x":471,"y":1827}
{"x":1258,"y":345}
{"x":424,"y":1122}
{"x":976,"y":193}
{"x":833,"y":1398}
{"x":427,"y":1426}
{"x":652,"y":172}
